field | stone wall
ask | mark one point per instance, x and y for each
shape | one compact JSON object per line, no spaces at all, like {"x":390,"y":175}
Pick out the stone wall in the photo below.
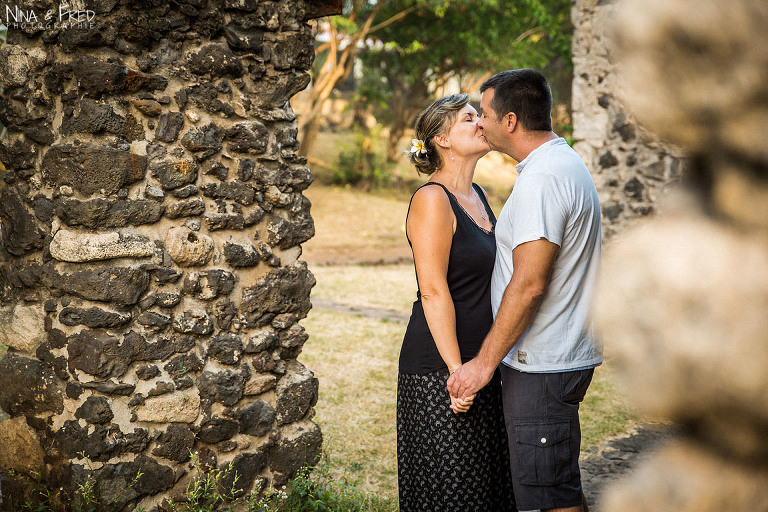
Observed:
{"x":151,"y":216}
{"x":630,"y":166}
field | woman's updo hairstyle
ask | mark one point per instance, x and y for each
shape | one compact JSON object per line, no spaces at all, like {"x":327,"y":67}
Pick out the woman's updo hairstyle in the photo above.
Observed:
{"x":434,"y":120}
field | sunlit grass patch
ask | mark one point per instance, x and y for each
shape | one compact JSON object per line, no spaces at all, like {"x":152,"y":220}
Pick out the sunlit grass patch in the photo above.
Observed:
{"x":604,"y":412}
{"x":355,"y":359}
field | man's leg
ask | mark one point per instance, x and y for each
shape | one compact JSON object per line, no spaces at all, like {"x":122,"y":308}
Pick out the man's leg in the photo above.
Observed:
{"x":541,"y":414}
{"x":583,"y":508}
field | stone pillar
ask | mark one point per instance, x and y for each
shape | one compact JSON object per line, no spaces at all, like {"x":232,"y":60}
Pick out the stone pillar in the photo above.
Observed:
{"x":683,"y":298}
{"x":631,"y":167}
{"x":151,"y":216}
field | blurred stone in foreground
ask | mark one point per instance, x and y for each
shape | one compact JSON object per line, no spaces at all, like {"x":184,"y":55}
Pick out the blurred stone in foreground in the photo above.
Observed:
{"x":683,"y":299}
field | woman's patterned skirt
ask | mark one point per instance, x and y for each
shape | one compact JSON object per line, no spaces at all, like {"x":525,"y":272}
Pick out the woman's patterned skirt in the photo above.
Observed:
{"x":451,"y":462}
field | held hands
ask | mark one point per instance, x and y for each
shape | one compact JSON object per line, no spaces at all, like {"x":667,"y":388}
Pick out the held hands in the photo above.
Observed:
{"x":467,"y":380}
{"x":461,"y":405}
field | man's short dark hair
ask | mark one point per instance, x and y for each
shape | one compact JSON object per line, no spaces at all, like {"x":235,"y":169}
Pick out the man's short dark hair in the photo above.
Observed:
{"x":524,"y":92}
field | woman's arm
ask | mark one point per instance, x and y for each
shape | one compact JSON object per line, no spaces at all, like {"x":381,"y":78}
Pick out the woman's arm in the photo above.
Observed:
{"x":430,"y":226}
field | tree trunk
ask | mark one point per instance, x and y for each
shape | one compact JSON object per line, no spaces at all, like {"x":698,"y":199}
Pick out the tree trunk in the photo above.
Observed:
{"x":308,"y":136}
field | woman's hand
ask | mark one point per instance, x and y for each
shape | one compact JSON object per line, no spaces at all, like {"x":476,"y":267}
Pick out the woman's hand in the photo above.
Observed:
{"x":462,"y":404}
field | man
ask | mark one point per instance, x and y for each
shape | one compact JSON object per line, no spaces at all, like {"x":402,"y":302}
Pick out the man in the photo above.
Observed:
{"x":548,"y":249}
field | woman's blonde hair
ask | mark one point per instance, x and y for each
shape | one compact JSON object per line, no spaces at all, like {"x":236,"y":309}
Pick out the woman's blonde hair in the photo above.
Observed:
{"x":434,"y":120}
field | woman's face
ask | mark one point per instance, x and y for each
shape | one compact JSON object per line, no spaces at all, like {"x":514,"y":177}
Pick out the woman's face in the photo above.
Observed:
{"x":465,"y":137}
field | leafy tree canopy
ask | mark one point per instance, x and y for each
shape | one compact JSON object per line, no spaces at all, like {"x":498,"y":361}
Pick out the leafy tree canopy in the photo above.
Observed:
{"x":439,"y":40}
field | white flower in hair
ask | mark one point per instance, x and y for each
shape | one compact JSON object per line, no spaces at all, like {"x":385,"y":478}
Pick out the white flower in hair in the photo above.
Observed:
{"x":417,"y":147}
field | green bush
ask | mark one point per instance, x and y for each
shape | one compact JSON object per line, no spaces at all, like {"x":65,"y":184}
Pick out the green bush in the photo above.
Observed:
{"x":359,"y":165}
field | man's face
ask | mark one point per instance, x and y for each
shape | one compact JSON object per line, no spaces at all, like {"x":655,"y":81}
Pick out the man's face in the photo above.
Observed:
{"x":492,"y":128}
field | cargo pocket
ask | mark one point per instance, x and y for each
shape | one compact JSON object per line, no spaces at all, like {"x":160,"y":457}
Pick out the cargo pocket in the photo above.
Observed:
{"x":543,"y":453}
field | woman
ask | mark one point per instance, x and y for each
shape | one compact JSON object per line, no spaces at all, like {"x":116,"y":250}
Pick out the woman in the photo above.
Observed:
{"x":452,"y":455}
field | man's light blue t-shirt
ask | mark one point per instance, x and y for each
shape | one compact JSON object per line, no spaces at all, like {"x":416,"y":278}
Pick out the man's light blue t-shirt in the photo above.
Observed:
{"x":554,"y":198}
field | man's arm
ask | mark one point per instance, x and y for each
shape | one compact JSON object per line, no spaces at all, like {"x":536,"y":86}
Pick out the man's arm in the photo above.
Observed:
{"x":533,"y":263}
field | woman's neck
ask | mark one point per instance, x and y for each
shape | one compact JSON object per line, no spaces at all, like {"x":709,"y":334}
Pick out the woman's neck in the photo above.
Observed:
{"x":457,"y":175}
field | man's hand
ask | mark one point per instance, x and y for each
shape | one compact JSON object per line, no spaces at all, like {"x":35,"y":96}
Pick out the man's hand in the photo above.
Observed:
{"x":469,"y":379}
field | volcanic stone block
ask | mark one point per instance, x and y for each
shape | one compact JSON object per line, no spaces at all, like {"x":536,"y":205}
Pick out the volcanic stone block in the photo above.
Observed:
{"x":118,"y":484}
{"x":22,"y":327}
{"x":275,"y":89}
{"x":182,"y":364}
{"x":147,"y":372}
{"x":101,"y":444}
{"x":288,"y":233}
{"x":293,"y":50}
{"x":233,"y":190}
{"x":188,"y":248}
{"x":161,"y":388}
{"x":121,"y":285}
{"x":27,"y":386}
{"x":171,"y":408}
{"x":109,"y":387}
{"x":174,"y":173}
{"x":261,"y":341}
{"x":300,"y":444}
{"x":95,"y":410}
{"x":107,"y":213}
{"x":240,"y":256}
{"x":89,"y":168}
{"x":297,"y":393}
{"x":226,"y":347}
{"x":248,"y":137}
{"x":189,"y":208}
{"x":214,"y":59}
{"x":93,"y":318}
{"x":205,"y":95}
{"x":256,"y":419}
{"x":247,"y":467}
{"x":283,"y":290}
{"x":96,"y":118}
{"x":19,"y":156}
{"x":208,"y":284}
{"x":218,"y":221}
{"x":291,"y":341}
{"x":153,"y":321}
{"x":20,"y":233}
{"x":193,"y":322}
{"x":82,"y":247}
{"x":168,"y":126}
{"x":204,"y":142}
{"x":96,"y":77}
{"x":175,"y":443}
{"x":96,"y":354}
{"x":243,"y":39}
{"x":217,"y":429}
{"x":225,"y":387}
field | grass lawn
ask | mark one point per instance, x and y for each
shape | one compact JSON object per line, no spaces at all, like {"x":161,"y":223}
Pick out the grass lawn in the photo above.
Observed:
{"x":355,"y":359}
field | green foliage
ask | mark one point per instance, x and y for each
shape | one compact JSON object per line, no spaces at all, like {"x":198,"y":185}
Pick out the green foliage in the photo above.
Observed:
{"x":315,"y":490}
{"x":208,"y":491}
{"x":443,"y":40}
{"x":361,"y":165}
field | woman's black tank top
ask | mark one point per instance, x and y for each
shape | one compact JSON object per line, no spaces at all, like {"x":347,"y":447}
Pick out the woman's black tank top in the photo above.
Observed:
{"x":470,"y":265}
